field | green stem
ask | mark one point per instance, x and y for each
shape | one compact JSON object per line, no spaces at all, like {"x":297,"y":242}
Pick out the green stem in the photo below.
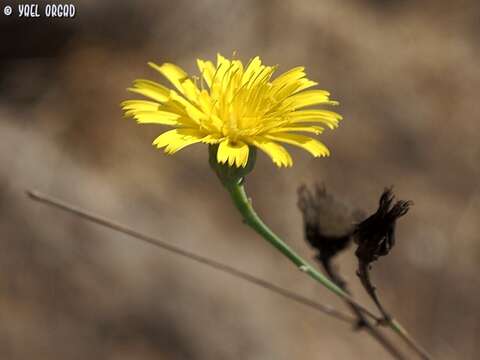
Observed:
{"x":243,"y":204}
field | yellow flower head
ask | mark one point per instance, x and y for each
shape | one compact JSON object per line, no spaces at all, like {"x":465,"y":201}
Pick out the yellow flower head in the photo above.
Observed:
{"x":235,"y":107}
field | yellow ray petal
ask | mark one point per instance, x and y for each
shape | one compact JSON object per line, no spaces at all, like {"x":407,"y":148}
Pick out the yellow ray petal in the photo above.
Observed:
{"x":291,"y":82}
{"x":233,"y":153}
{"x":191,"y":91}
{"x":298,"y":127}
{"x":276,"y":152}
{"x":139,"y":105}
{"x":329,"y":118}
{"x":223,"y":66}
{"x":253,"y":67}
{"x":153,"y":86}
{"x":177,"y":139}
{"x":156,"y":117}
{"x":290,"y":76}
{"x":173,"y":73}
{"x":309,"y":98}
{"x":193,"y":112}
{"x":314,"y":147}
{"x":207,"y":70}
{"x":149,"y":93}
{"x":222,"y":60}
{"x":305,"y":84}
{"x":285,"y":90}
{"x":212,"y":139}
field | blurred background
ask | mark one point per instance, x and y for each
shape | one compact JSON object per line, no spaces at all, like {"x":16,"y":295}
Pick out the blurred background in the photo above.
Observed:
{"x":407,"y":76}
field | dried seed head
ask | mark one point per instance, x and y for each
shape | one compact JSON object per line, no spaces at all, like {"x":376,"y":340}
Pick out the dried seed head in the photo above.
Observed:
{"x":328,"y":222}
{"x":375,"y":235}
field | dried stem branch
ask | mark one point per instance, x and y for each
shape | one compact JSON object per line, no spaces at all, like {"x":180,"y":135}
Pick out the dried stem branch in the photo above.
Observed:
{"x":364,"y":275}
{"x":326,"y":309}
{"x":362,"y":321}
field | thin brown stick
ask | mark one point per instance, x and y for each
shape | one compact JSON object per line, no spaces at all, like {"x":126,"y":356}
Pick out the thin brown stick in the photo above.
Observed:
{"x":388,"y":320}
{"x":362,"y":321}
{"x":364,"y":276}
{"x":326,"y":309}
{"x":414,"y":345}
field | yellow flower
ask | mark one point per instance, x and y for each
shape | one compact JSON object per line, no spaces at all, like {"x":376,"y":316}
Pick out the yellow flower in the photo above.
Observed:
{"x":235,"y":107}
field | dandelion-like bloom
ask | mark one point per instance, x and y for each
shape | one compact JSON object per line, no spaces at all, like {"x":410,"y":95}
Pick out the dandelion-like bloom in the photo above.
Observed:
{"x":235,"y":107}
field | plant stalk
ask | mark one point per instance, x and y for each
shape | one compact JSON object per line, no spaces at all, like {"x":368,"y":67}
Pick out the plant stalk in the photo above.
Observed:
{"x":250,"y":217}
